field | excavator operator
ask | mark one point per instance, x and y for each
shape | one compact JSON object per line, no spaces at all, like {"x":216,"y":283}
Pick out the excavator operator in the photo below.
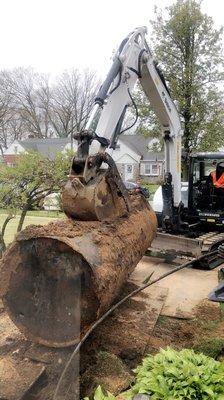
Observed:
{"x":217,"y":177}
{"x":215,"y":187}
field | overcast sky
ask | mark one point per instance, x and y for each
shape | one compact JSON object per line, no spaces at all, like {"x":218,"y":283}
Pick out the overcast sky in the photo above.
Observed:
{"x":53,"y":35}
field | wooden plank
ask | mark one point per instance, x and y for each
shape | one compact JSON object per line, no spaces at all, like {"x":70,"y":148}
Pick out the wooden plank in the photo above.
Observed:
{"x":17,"y":377}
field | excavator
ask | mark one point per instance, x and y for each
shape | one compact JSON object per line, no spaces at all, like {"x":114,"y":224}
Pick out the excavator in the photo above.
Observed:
{"x":190,"y":214}
{"x":58,"y":279}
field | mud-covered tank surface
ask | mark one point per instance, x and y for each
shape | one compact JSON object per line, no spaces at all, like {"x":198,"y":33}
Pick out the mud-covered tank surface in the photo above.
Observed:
{"x":57,"y":279}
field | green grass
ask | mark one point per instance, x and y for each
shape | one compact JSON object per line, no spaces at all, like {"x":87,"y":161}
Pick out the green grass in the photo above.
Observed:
{"x":32,"y":218}
{"x":209,"y":325}
{"x":38,"y":213}
{"x":152,"y":188}
{"x":211,"y":347}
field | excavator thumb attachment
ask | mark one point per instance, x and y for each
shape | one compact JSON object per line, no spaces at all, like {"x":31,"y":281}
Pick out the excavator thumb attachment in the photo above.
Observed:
{"x":95,"y":194}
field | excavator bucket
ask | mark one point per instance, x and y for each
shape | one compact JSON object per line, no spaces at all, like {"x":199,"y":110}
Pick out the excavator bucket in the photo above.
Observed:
{"x":99,"y":200}
{"x":95,"y":194}
{"x":57,"y":279}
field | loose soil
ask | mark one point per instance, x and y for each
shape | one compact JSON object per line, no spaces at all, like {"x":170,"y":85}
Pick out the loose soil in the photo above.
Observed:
{"x":208,"y":325}
{"x":110,"y":353}
{"x":202,"y":333}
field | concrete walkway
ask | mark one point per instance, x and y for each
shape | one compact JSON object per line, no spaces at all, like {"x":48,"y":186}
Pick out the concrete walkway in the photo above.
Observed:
{"x":186,"y":288}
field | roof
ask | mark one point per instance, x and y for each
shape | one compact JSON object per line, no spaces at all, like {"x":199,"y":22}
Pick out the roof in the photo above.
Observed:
{"x":140,"y":145}
{"x":48,"y":147}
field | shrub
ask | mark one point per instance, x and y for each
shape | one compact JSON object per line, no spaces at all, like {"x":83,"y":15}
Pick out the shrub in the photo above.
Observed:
{"x":182,"y":375}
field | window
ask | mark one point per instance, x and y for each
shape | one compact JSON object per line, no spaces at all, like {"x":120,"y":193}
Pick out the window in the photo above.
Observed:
{"x":147,"y":169}
{"x":129,"y":168}
{"x":150,"y":169}
{"x":154,"y":169}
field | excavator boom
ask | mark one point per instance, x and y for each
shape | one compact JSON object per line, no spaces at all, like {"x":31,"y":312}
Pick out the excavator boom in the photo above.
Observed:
{"x":95,"y":189}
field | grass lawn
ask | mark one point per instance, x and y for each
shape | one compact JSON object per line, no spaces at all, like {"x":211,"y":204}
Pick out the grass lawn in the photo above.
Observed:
{"x":152,"y":188}
{"x":32,"y":218}
{"x":38,"y":213}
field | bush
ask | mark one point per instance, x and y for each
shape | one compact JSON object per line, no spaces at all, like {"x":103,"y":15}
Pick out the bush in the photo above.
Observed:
{"x":175,"y":375}
{"x":182,"y":375}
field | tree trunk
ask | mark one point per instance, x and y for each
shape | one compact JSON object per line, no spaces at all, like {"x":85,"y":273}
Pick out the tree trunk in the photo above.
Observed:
{"x":22,"y":218}
{"x":2,"y":242}
{"x":187,"y":133}
{"x":2,"y":245}
{"x":187,"y":103}
{"x":185,"y":171}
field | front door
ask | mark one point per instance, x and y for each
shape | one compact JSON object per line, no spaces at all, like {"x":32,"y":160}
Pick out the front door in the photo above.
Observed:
{"x":128,"y":172}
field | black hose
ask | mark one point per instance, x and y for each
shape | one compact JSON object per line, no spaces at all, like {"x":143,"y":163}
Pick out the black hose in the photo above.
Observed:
{"x":115,"y":306}
{"x":136,"y":114}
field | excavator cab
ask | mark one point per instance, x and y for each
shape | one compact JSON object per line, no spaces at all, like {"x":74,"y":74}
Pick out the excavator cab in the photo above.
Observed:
{"x":206,"y":189}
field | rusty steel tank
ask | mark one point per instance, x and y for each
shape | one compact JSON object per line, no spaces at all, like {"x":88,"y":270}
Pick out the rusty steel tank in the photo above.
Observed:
{"x":57,"y":279}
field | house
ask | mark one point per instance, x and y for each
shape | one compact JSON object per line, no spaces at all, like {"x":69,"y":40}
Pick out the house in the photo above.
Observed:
{"x":132,"y":155}
{"x":48,"y":147}
{"x":134,"y":160}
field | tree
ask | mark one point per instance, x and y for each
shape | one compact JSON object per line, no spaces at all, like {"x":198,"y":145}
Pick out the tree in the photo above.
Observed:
{"x":32,"y":105}
{"x":30,"y":102}
{"x":10,"y":215}
{"x":32,"y":178}
{"x":189,"y":51}
{"x":148,"y":124}
{"x":72,"y":98}
{"x":5,"y":111}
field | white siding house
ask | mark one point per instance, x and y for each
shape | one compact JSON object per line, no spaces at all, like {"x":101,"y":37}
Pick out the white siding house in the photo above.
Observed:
{"x":134,"y":159}
{"x":127,"y":160}
{"x":132,"y":155}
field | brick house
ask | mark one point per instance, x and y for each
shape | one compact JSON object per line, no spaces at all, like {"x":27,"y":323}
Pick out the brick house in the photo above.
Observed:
{"x":132,"y":156}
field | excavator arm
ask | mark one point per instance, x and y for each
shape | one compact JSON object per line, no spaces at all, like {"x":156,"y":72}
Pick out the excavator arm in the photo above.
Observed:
{"x":95,"y":189}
